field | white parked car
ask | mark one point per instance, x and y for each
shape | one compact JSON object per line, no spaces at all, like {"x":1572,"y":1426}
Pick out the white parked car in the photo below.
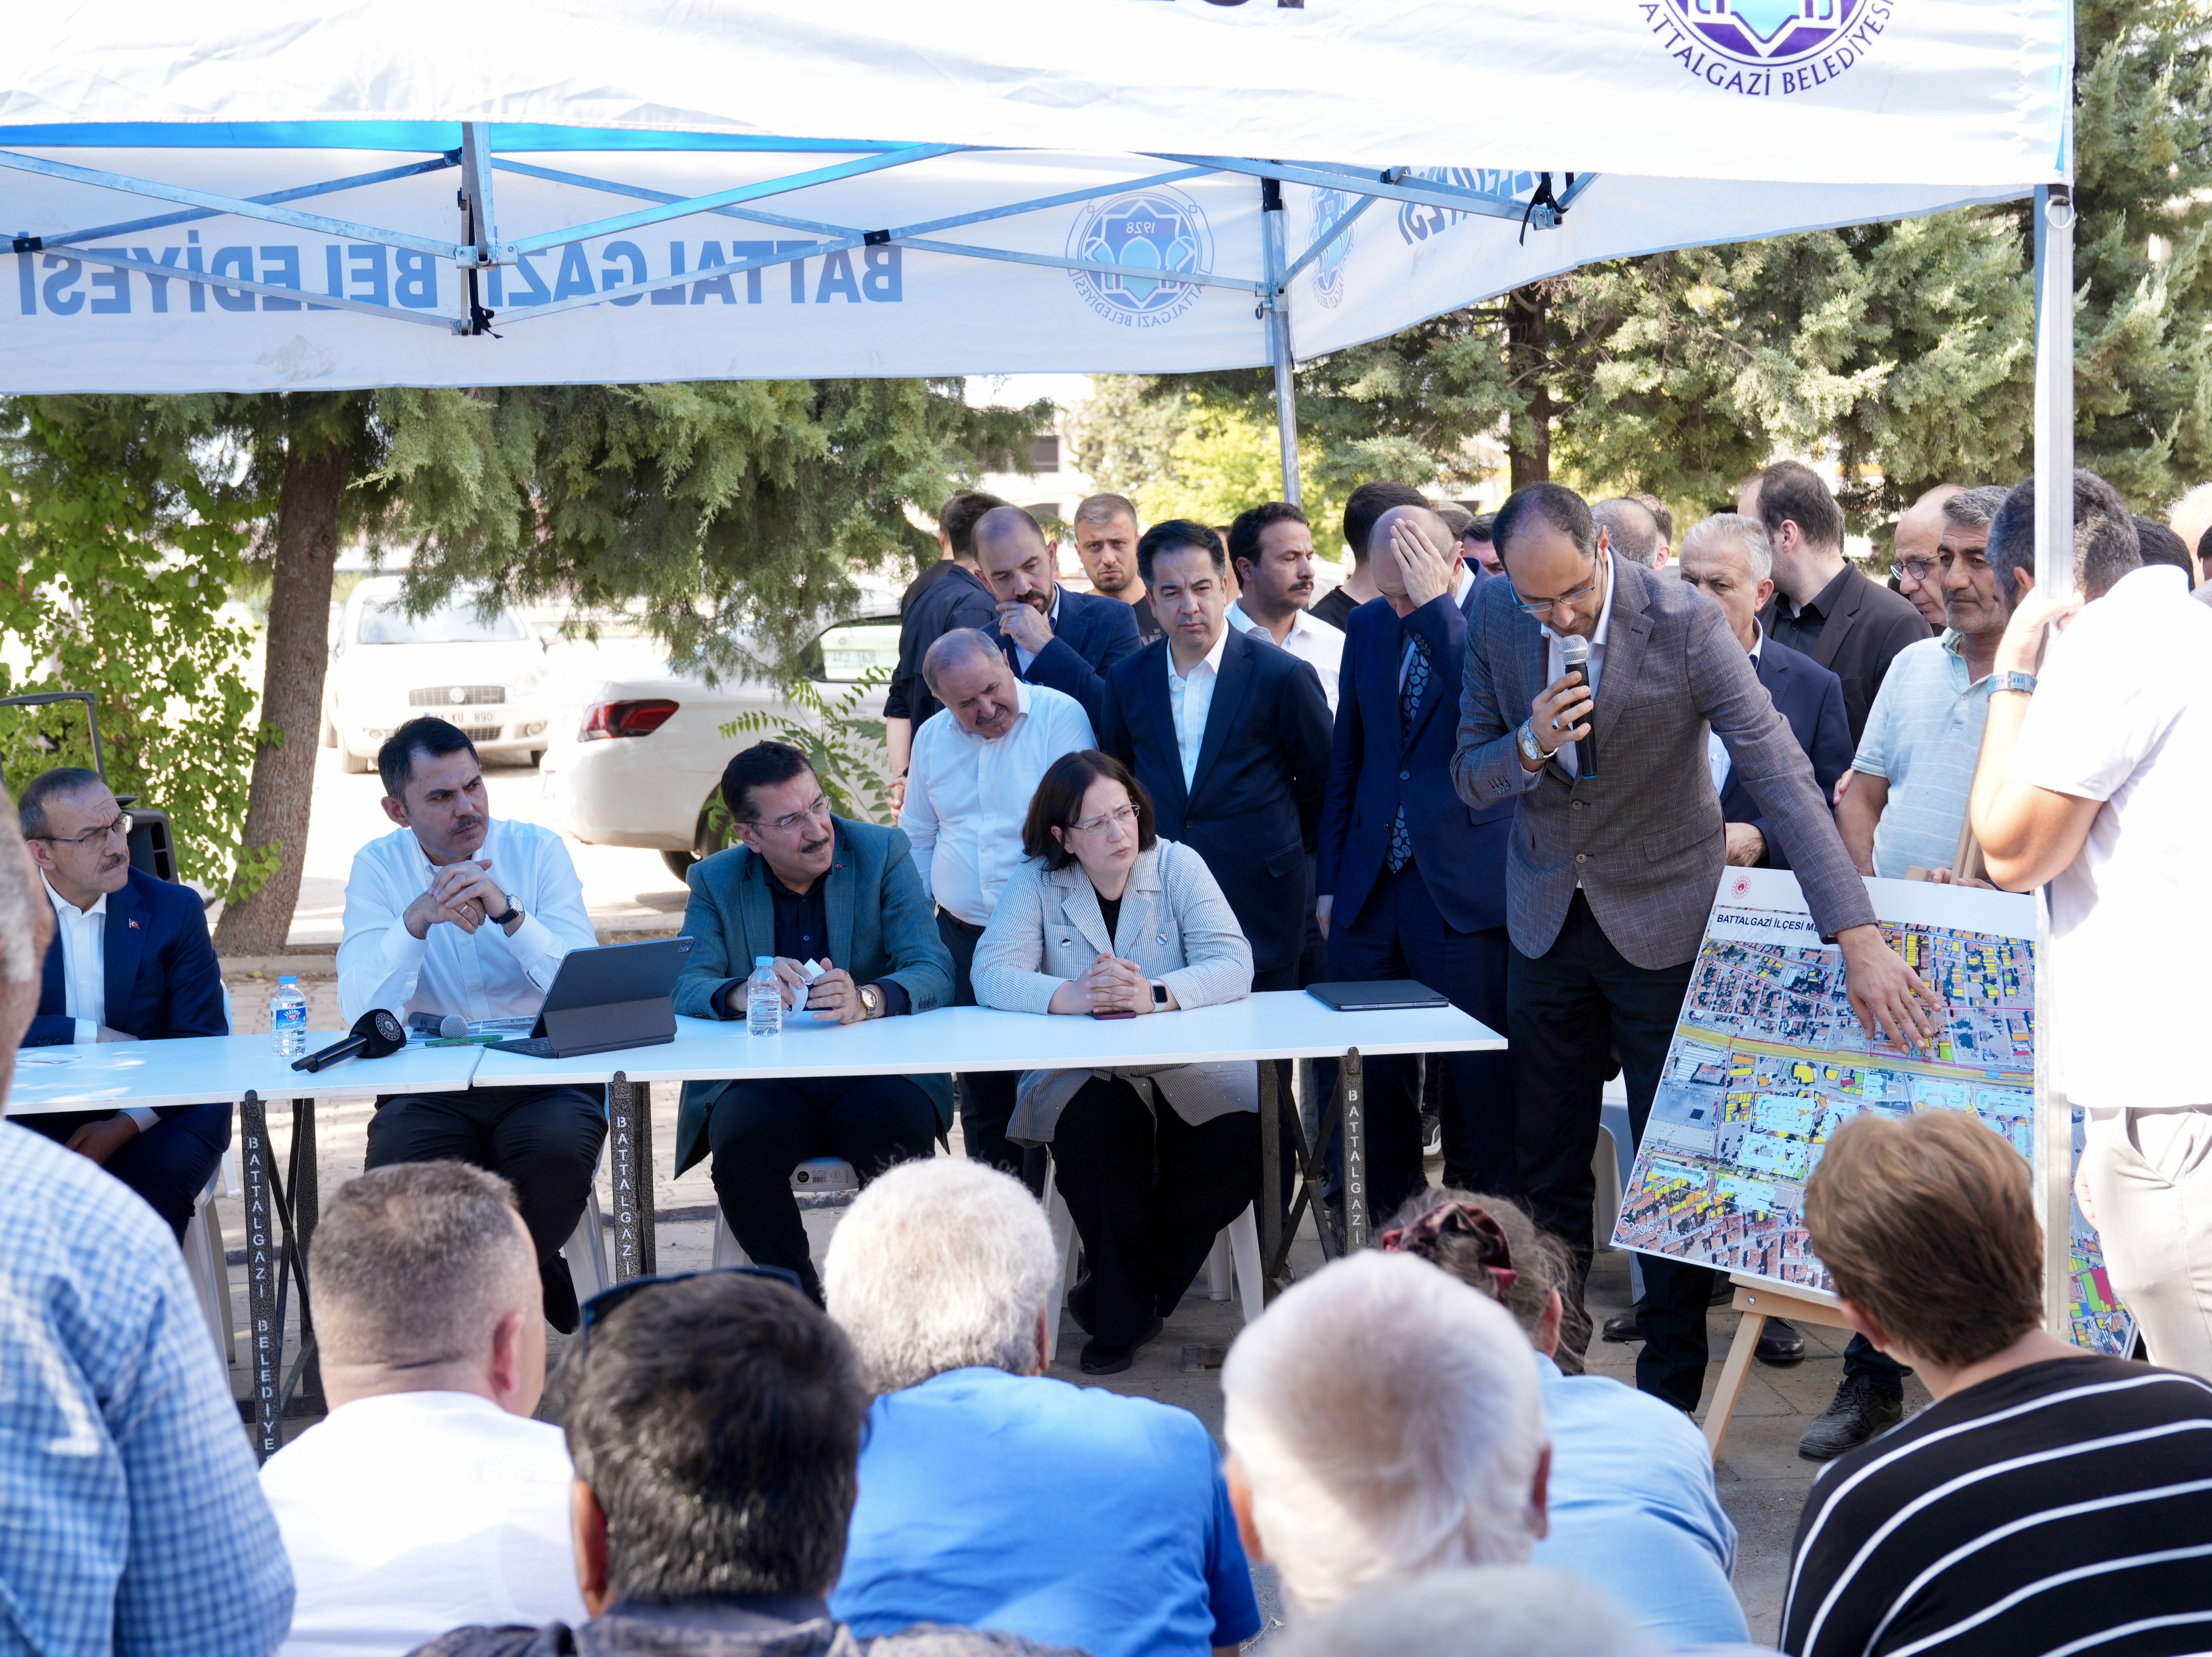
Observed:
{"x":484,"y":673}
{"x":635,"y":760}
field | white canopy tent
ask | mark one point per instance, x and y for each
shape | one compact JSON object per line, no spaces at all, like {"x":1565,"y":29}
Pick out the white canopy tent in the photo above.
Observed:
{"x":307,"y":197}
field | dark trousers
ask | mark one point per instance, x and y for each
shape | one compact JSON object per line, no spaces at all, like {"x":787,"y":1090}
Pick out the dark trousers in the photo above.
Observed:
{"x":1399,"y":933}
{"x":1864,"y":1360}
{"x":544,"y":1141}
{"x":987,"y":1098}
{"x":1563,"y":1008}
{"x":1148,"y":1194}
{"x":168,"y":1164}
{"x":760,"y":1130}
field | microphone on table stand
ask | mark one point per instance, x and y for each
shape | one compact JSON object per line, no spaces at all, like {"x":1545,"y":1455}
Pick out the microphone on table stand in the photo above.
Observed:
{"x":375,"y":1033}
{"x":448,"y":1026}
{"x":1574,"y":658}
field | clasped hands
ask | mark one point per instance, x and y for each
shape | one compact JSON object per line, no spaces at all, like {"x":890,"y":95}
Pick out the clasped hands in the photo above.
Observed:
{"x":461,"y":894}
{"x":1109,"y":985}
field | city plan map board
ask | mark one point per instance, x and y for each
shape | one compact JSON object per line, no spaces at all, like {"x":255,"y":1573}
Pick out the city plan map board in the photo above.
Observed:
{"x":1768,"y":1061}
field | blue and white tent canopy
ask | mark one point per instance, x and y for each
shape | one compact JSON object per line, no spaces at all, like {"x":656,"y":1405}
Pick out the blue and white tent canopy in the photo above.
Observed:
{"x":202,"y":199}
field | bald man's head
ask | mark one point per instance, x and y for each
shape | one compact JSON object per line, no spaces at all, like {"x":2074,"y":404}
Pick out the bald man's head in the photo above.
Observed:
{"x":1918,"y":533}
{"x":1383,"y":563}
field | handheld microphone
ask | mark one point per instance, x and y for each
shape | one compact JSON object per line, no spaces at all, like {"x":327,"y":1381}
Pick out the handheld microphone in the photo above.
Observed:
{"x":375,"y":1033}
{"x":1574,"y":658}
{"x":451,"y":1026}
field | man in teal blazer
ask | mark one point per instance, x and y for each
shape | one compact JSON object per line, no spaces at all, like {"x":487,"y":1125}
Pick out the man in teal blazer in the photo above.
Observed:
{"x":806,"y":887}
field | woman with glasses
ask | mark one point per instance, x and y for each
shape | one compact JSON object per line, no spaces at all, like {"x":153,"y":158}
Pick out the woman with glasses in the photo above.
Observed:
{"x":1105,"y":919}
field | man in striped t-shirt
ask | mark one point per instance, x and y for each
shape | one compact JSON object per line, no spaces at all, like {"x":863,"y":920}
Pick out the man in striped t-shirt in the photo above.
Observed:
{"x":2049,"y":1500}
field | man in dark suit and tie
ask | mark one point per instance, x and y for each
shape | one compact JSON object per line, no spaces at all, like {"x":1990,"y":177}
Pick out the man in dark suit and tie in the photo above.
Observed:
{"x":1412,"y":883}
{"x":1052,"y":635}
{"x":130,"y":961}
{"x":1230,"y":736}
{"x":1610,"y":875}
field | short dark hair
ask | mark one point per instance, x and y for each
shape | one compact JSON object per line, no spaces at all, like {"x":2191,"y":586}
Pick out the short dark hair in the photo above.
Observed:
{"x":718,"y":1421}
{"x":1554,"y":506}
{"x":2160,"y":545}
{"x":1058,"y":803}
{"x":761,"y":766}
{"x":1104,"y":509}
{"x":430,"y":736}
{"x":1002,"y":517}
{"x":1172,"y":537}
{"x":1453,"y":517}
{"x":31,"y":806}
{"x":1792,"y":491}
{"x":407,"y":1260}
{"x":1368,"y":502}
{"x":1479,"y":528}
{"x":959,"y":517}
{"x":2106,"y":546}
{"x":1244,"y":534}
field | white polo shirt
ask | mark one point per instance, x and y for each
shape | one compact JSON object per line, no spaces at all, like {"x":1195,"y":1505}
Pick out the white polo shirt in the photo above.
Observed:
{"x":2123,"y":714}
{"x":1316,"y":643}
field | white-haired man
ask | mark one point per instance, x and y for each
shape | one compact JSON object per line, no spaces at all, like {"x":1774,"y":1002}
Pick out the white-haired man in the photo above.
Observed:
{"x":992,"y":1496}
{"x":1383,"y":1423}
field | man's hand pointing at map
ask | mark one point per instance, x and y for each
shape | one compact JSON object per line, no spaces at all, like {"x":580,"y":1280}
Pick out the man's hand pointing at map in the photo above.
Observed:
{"x":1888,"y":995}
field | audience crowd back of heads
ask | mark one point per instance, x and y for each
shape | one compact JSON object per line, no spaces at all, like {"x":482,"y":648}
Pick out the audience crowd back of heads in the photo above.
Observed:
{"x":2106,"y":545}
{"x":2160,"y":545}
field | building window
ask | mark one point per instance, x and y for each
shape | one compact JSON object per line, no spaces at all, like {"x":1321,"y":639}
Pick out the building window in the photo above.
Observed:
{"x":1044,"y":454}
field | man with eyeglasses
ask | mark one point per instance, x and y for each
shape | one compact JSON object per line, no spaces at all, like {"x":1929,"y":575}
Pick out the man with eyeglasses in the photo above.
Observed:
{"x":841,"y":909}
{"x":1919,"y":532}
{"x":1616,"y":854}
{"x":130,"y":962}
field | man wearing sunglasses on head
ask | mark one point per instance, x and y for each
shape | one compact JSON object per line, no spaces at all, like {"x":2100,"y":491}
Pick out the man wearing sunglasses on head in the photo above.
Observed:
{"x":130,"y":961}
{"x":840,"y":908}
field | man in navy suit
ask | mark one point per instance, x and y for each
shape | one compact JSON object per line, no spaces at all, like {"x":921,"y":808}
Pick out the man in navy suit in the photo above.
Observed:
{"x":1051,"y":636}
{"x":130,"y":961}
{"x":1230,"y":736}
{"x":1728,"y":558}
{"x":1413,"y":881}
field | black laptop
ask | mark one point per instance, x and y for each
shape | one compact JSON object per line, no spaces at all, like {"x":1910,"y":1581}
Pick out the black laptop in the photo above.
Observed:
{"x":615,"y":996}
{"x":1386,"y":995}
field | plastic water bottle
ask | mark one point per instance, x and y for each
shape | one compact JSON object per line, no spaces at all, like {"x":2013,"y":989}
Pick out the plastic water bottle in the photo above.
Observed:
{"x":287,"y":1018}
{"x":764,"y":998}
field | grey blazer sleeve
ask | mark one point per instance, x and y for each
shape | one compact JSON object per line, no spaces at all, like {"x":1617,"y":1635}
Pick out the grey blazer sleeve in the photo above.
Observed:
{"x":1775,"y":769}
{"x":1217,"y":957}
{"x":1005,"y":970}
{"x":1486,"y":766}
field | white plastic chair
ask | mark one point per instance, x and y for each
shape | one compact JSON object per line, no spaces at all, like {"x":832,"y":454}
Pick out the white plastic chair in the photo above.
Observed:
{"x":1616,"y":1157}
{"x":824,"y":1186}
{"x":208,"y":1268}
{"x":586,"y":1251}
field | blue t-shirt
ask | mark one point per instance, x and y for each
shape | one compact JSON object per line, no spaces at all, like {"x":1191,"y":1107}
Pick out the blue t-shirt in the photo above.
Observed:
{"x":1632,"y":1509}
{"x":1069,"y":1515}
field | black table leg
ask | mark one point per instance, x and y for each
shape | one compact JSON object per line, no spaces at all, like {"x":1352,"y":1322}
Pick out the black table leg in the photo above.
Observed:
{"x":306,"y":1207}
{"x":629,"y":1147}
{"x":1271,"y":1174}
{"x":264,"y":1267}
{"x":1353,"y":1086}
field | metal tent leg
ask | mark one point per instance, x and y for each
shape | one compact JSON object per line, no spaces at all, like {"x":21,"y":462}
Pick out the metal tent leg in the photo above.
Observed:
{"x":1278,"y":312}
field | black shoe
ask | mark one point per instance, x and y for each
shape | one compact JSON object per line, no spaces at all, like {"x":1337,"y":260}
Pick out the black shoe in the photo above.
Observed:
{"x":1620,"y":1328}
{"x":1098,"y":1360}
{"x":1860,"y":1410}
{"x":1779,"y":1345}
{"x":1723,"y":1292}
{"x":561,"y":1308}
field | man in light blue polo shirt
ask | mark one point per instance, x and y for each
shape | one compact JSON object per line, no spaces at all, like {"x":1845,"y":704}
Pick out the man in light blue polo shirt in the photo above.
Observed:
{"x":993,"y":1497}
{"x":1916,"y":758}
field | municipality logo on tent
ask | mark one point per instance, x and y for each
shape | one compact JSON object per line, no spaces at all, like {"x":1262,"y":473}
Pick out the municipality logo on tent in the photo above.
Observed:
{"x":1766,"y":48}
{"x":1330,"y":209}
{"x":1150,"y":230}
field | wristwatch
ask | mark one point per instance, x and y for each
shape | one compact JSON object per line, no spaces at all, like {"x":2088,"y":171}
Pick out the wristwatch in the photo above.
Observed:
{"x":1159,"y":996}
{"x":513,"y":910}
{"x":871,"y":1000}
{"x":2023,"y":682}
{"x":1530,"y":750}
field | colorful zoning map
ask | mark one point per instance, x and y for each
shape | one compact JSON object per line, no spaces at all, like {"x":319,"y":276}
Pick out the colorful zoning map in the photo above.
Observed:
{"x":1769,"y":1060}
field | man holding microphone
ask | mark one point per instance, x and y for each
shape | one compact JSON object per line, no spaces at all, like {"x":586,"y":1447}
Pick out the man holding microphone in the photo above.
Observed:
{"x":1616,"y":854}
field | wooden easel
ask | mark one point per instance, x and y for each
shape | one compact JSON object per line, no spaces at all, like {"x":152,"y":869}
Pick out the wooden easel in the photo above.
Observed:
{"x":1760,"y":1300}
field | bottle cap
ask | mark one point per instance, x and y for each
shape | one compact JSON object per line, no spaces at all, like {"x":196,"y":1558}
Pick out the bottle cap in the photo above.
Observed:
{"x":286,"y":978}
{"x":763,"y":960}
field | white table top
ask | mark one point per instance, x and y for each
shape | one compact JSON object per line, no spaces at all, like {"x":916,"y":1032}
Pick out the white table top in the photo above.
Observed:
{"x":215,"y":1069}
{"x":1277,"y":1024}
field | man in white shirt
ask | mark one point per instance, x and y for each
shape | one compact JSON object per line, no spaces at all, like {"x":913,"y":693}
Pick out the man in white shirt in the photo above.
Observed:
{"x":429,"y":1499}
{"x":131,"y":961}
{"x":969,"y":787}
{"x":2096,"y":779}
{"x":1272,"y":547}
{"x":453,"y":913}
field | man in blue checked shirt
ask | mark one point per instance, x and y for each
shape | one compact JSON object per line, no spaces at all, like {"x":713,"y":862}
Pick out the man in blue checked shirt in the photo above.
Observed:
{"x":133,"y":1523}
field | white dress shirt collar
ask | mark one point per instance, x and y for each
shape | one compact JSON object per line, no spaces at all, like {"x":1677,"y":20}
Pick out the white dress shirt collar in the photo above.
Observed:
{"x":1314,"y":642}
{"x":83,"y":935}
{"x":1190,"y":699}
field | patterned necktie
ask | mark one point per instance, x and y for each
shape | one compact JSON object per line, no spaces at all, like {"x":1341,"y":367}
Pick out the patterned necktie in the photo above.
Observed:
{"x":1409,"y":703}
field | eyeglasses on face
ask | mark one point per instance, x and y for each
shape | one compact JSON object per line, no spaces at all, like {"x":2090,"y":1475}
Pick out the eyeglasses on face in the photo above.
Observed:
{"x":1126,"y":816}
{"x":1540,"y":608}
{"x":120,"y":827}
{"x":1916,"y":569}
{"x":597,"y":1309}
{"x":792,"y":821}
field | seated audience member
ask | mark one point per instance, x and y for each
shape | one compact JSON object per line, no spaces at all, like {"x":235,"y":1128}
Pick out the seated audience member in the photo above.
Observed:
{"x":1631,"y":1501}
{"x":968,"y":794}
{"x":806,"y":887}
{"x":1492,"y":1610}
{"x":1383,"y":1423}
{"x":1106,"y":919}
{"x":133,"y":1523}
{"x":2049,"y":1499}
{"x":992,"y":1495}
{"x":130,"y":961}
{"x":453,"y":912}
{"x":428,"y":1497}
{"x":715,"y":1422}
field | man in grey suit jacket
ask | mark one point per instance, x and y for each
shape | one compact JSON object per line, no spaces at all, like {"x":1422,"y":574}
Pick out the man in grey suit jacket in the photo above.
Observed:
{"x":1616,"y":854}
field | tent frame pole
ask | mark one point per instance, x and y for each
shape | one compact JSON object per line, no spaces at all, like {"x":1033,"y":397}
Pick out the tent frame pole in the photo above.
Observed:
{"x":1277,"y":313}
{"x":2054,"y":576}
